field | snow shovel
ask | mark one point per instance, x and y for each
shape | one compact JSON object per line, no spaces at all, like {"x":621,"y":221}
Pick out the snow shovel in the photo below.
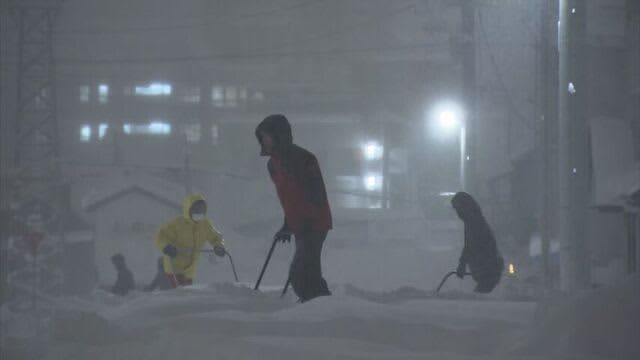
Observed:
{"x":266,"y":262}
{"x":446,"y":277}
{"x":286,"y":286}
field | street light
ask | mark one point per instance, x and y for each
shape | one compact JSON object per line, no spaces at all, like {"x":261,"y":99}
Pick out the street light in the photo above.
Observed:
{"x":449,"y":119}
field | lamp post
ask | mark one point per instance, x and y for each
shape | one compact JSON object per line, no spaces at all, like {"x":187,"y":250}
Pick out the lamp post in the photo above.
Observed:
{"x":449,"y":120}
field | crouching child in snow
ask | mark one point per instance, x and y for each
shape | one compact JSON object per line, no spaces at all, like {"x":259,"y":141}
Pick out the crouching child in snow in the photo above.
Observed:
{"x":124,"y":282}
{"x":181,"y":239}
{"x":480,"y":251}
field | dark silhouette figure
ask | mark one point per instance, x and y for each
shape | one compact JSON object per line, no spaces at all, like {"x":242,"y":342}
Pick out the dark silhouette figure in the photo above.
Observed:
{"x":296,"y":175}
{"x":480,"y":251}
{"x":124,"y":282}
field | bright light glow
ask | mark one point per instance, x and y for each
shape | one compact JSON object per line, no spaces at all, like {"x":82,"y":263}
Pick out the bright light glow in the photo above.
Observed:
{"x":573,"y":11}
{"x":154,"y":89}
{"x":102,"y":131}
{"x":373,"y":182}
{"x":103,"y":93}
{"x":446,"y":119}
{"x":85,"y":133}
{"x":447,"y":193}
{"x":372,"y":151}
{"x":160,"y":128}
{"x":571,"y":88}
{"x":512,"y":268}
{"x":152,"y":128}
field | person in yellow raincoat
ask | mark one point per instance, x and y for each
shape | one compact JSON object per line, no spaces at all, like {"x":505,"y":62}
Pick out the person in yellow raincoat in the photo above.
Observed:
{"x":182,"y":238}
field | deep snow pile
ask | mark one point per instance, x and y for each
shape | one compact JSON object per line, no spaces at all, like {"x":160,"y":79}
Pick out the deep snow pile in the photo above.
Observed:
{"x":601,"y":323}
{"x":231,"y":321}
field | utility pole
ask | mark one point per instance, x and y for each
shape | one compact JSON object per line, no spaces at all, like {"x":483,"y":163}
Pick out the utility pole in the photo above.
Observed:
{"x":547,"y":92}
{"x":468,"y":159}
{"x":574,"y":153}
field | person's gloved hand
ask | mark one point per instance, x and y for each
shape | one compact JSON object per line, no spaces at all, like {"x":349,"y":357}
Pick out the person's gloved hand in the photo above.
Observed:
{"x":219,"y":250}
{"x":461,"y":270}
{"x":283,"y":236}
{"x":170,"y":250}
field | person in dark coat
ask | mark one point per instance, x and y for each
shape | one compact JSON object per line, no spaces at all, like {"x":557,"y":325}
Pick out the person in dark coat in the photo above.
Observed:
{"x":160,"y":281}
{"x":480,"y":252}
{"x":124,"y":282}
{"x":296,"y":175}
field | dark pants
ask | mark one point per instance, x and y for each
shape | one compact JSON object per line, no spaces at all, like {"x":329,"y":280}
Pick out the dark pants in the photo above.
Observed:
{"x":305,"y":272}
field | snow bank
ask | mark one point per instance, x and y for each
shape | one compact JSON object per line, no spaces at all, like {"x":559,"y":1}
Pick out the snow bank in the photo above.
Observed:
{"x":602,"y":323}
{"x":231,"y":321}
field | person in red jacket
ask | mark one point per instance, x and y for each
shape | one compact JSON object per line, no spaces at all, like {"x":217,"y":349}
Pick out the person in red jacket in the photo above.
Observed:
{"x":296,"y":175}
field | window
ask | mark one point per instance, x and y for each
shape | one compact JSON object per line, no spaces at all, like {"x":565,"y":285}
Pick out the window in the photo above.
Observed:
{"x":85,"y":133}
{"x":217,"y":96}
{"x":189,"y":94}
{"x":84,"y":93}
{"x":231,"y":97}
{"x":154,"y":89}
{"x":103,"y":93}
{"x":214,"y":134}
{"x":160,"y":128}
{"x":192,"y":132}
{"x":102,"y":131}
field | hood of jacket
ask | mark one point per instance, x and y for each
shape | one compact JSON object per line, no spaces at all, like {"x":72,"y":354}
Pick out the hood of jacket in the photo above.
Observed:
{"x":278,"y":127}
{"x":188,"y":203}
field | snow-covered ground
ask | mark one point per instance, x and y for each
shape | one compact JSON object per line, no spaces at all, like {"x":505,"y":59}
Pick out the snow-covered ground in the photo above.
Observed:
{"x":231,"y":321}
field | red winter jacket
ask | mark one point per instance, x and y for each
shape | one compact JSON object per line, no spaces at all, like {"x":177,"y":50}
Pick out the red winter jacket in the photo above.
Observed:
{"x":298,"y":180}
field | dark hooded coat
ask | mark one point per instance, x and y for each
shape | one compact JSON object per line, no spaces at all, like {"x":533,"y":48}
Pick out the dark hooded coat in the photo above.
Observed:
{"x":480,"y":252}
{"x":296,"y":175}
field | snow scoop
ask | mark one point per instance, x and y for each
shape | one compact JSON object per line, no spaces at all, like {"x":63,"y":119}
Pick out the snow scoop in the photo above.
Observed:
{"x":226,"y":252}
{"x":286,"y":286}
{"x":446,"y":277}
{"x":266,"y":262}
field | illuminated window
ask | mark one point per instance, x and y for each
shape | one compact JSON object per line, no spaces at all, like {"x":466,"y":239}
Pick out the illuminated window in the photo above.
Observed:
{"x":160,"y":128}
{"x":372,"y":182}
{"x":102,"y":130}
{"x":85,"y":133}
{"x":154,"y":89}
{"x":372,"y":151}
{"x":217,"y":96}
{"x":84,"y":93}
{"x":103,"y":93}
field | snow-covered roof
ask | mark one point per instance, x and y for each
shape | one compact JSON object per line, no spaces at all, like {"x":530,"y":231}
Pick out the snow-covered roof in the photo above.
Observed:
{"x":115,"y":187}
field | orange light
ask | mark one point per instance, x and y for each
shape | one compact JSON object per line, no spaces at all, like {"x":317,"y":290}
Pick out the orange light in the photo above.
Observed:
{"x":512,"y":268}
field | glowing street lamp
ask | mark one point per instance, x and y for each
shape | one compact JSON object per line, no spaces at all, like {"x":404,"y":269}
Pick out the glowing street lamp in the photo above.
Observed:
{"x":448,"y":117}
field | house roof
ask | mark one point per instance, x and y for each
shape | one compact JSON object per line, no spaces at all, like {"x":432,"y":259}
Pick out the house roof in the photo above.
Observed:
{"x":117,"y":187}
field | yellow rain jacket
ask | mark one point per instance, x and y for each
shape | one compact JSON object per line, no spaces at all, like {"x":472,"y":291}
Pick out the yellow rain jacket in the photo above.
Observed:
{"x":188,"y":236}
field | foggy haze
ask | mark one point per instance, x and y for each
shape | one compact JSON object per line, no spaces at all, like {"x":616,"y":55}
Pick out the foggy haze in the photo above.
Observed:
{"x":112,"y":112}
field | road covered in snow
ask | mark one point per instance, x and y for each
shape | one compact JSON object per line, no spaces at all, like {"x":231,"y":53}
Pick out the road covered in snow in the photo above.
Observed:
{"x":231,"y":321}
